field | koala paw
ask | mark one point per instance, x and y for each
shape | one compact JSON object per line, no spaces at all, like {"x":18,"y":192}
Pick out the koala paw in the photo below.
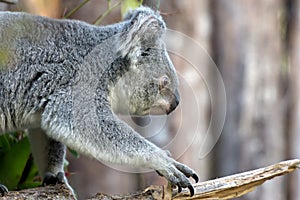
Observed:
{"x":177,"y":174}
{"x":52,"y":179}
{"x":3,"y":190}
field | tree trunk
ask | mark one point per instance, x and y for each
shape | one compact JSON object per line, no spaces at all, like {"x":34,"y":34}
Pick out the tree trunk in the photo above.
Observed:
{"x":294,"y":61}
{"x":248,"y":50}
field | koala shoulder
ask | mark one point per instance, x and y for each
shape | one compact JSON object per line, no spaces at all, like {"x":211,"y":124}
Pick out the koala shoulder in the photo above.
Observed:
{"x":34,"y":26}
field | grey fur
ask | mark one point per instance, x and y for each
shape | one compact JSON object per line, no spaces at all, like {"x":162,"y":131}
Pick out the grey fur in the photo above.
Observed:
{"x":64,"y":79}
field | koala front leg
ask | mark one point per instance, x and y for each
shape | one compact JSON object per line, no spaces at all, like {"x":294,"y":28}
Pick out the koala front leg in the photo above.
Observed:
{"x":125,"y":146}
{"x":101,"y":135}
{"x":48,"y":155}
{"x":84,"y":122}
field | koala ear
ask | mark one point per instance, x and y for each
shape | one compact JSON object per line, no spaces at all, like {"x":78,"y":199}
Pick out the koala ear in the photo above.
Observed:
{"x":146,"y":29}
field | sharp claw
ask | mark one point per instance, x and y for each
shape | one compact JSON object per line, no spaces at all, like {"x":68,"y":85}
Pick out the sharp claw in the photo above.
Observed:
{"x":3,"y":190}
{"x":191,"y":189}
{"x":179,"y":188}
{"x":158,"y":173}
{"x":60,"y":177}
{"x":195,"y":177}
{"x":52,"y":179}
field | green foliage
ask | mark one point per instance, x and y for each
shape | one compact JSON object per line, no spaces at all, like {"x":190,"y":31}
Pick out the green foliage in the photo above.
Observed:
{"x":128,"y":5}
{"x":17,"y":167}
{"x":74,"y":153}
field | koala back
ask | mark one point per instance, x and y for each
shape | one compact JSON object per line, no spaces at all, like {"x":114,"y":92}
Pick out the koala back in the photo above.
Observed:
{"x":41,"y":57}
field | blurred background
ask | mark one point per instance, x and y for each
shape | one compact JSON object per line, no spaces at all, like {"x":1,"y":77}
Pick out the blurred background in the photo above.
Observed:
{"x":255,"y":45}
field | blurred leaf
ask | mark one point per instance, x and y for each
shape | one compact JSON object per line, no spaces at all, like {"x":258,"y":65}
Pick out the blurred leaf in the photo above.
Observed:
{"x":29,"y":184}
{"x":74,"y":153}
{"x":4,"y":143}
{"x":29,"y":174}
{"x":31,"y":180}
{"x":13,"y":163}
{"x":128,"y":5}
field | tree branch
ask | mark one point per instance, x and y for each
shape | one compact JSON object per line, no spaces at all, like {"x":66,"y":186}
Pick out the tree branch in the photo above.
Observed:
{"x":221,"y":188}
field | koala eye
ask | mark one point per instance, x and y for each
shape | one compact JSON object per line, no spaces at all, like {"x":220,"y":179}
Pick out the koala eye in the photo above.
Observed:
{"x":163,"y":82}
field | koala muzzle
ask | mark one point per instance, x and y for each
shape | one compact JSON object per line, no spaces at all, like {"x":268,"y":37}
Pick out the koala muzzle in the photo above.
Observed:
{"x":174,"y":102}
{"x":166,"y":104}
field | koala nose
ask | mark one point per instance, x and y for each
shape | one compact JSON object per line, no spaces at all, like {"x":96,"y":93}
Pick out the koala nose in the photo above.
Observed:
{"x":175,"y":102}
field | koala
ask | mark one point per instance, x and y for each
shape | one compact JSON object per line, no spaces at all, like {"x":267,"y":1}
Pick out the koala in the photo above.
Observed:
{"x":65,"y":81}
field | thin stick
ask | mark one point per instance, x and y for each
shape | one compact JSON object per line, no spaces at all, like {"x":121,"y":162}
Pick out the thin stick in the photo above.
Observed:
{"x":76,"y":9}
{"x":109,"y":9}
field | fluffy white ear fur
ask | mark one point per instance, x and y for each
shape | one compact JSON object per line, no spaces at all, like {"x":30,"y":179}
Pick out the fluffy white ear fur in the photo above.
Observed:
{"x":147,"y":27}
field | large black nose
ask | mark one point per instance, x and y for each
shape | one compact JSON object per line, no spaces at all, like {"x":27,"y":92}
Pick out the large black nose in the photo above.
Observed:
{"x":174,"y":102}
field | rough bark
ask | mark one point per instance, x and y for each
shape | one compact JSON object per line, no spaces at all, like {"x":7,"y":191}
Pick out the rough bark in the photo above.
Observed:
{"x":56,"y":192}
{"x":222,"y":188}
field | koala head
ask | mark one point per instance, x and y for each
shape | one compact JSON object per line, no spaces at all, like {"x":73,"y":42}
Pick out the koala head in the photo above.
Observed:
{"x":148,"y":85}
